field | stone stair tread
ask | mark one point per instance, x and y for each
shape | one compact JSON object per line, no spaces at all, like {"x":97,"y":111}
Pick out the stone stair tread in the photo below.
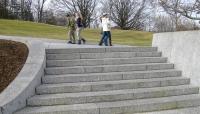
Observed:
{"x":75,"y":60}
{"x":106,"y":53}
{"x":108,"y":68}
{"x":102,"y":55}
{"x":137,"y":53}
{"x":101,"y":50}
{"x":58,"y":108}
{"x":189,"y":110}
{"x":112,"y":92}
{"x":113,"y":82}
{"x":95,"y":77}
{"x":112,"y":65}
{"x":95,"y":62}
{"x":110,"y":85}
{"x":112,"y":73}
{"x":122,"y":106}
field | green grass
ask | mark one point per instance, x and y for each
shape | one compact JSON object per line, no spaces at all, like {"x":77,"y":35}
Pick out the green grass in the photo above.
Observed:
{"x":22,"y":28}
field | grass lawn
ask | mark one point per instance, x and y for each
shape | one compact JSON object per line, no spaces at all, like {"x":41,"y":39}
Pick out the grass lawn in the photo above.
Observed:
{"x":21,"y":28}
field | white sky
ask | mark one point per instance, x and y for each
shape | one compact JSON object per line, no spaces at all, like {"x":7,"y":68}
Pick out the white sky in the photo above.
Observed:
{"x":47,"y":3}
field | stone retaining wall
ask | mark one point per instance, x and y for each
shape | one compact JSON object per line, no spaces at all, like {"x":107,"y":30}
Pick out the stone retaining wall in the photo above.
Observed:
{"x":182,"y":49}
{"x":14,"y":96}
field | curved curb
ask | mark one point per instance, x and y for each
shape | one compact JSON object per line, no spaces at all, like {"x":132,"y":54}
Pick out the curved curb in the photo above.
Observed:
{"x":14,"y":96}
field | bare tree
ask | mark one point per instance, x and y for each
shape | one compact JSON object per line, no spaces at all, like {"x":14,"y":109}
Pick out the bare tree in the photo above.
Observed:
{"x":127,"y":14}
{"x":106,"y":6}
{"x":22,"y":7}
{"x":39,"y":7}
{"x":189,"y":9}
{"x":185,"y":25}
{"x":163,"y":24}
{"x":175,"y":16}
{"x":26,"y":10}
{"x":95,"y":19}
{"x":13,"y":9}
{"x":150,"y":9}
{"x":85,"y":7}
{"x":3,"y":9}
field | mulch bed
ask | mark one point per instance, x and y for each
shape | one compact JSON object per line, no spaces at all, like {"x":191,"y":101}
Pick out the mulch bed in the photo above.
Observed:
{"x":13,"y":56}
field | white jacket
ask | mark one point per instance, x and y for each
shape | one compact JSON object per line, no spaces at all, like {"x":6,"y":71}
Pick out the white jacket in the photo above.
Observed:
{"x":106,"y":24}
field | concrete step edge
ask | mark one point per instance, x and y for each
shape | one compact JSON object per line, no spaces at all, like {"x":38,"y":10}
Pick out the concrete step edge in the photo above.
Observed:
{"x":94,"y":62}
{"x":147,"y":64}
{"x":129,"y":106}
{"x":110,"y":59}
{"x":130,"y":72}
{"x":70,"y":78}
{"x":110,"y":85}
{"x":106,"y":96}
{"x":102,"y":55}
{"x":101,"y":50}
{"x":107,"y":68}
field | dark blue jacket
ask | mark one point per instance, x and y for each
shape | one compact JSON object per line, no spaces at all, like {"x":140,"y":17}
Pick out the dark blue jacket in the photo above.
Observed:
{"x":79,"y":22}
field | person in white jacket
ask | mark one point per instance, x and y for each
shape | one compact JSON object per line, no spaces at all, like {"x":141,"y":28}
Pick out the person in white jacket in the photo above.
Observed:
{"x":106,"y":26}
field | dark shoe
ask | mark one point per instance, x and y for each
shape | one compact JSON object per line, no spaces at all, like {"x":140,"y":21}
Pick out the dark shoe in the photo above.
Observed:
{"x":69,"y":42}
{"x":84,"y":41}
{"x":79,"y":42}
{"x":100,"y":44}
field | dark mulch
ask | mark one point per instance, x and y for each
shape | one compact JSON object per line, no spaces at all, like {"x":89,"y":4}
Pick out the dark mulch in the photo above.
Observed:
{"x":13,"y":55}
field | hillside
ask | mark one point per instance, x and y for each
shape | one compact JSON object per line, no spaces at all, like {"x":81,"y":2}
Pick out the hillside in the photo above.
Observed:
{"x":22,"y":28}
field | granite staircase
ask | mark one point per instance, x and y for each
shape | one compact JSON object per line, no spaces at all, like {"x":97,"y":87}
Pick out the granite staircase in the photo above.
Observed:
{"x":112,"y":80}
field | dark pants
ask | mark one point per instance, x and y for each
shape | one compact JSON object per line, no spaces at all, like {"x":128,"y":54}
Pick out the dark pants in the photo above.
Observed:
{"x":106,"y":35}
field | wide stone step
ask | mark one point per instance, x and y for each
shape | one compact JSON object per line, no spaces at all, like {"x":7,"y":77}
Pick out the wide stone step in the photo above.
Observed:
{"x":119,"y":107}
{"x":108,"y":68}
{"x":95,"y":77}
{"x":72,"y":56}
{"x":110,"y":85}
{"x":101,"y":50}
{"x":109,"y":96}
{"x":94,"y":62}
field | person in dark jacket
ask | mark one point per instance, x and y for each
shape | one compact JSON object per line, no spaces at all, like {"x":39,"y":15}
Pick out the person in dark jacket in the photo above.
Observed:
{"x":79,"y":28}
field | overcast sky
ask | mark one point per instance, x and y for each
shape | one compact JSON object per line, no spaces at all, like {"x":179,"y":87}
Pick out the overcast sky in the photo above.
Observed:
{"x":47,"y":3}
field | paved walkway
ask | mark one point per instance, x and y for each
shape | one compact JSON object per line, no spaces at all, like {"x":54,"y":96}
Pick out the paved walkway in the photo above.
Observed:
{"x":54,"y":43}
{"x":65,"y":45}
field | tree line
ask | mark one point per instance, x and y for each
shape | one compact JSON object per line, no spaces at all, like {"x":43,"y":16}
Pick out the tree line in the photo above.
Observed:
{"x":22,"y":9}
{"x":151,"y":15}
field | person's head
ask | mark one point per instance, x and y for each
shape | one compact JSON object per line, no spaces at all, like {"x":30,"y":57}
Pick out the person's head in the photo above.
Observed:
{"x":105,"y":15}
{"x":72,"y":15}
{"x":68,"y":15}
{"x":77,"y":14}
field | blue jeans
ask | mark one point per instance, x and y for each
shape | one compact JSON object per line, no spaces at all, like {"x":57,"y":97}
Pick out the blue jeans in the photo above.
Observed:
{"x":106,"y":35}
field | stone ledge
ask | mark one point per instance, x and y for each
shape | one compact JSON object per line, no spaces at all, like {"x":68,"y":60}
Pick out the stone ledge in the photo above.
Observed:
{"x":14,"y":96}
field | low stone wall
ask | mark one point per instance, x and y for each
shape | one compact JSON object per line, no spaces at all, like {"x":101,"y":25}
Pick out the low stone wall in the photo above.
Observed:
{"x":15,"y":95}
{"x":182,"y":49}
